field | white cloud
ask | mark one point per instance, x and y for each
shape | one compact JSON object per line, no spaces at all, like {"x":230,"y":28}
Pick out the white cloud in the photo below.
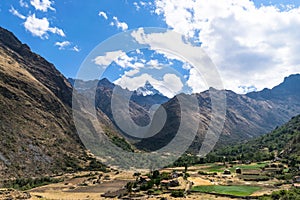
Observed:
{"x":62,"y":45}
{"x":13,"y":11}
{"x":154,"y":64}
{"x":172,"y":83}
{"x":42,"y":5}
{"x":177,"y":48}
{"x":23,"y":4}
{"x":103,"y":14}
{"x":76,"y":48}
{"x":66,"y":45}
{"x":107,"y":59}
{"x":124,"y":61}
{"x":186,"y":66}
{"x":40,"y":27}
{"x":252,"y":46}
{"x":142,"y":4}
{"x":120,"y":25}
{"x":196,"y":81}
{"x":136,"y":5}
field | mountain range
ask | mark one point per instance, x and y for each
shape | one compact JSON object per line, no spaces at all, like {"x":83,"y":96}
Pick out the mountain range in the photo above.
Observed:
{"x":247,"y":116}
{"x":38,"y":133}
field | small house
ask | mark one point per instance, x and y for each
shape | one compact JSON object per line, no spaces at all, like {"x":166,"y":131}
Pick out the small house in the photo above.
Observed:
{"x":238,"y":170}
{"x":174,"y":175}
{"x":174,"y":183}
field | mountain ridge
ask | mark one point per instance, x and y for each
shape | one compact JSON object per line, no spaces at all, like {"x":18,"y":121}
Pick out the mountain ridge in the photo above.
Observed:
{"x":38,"y":136}
{"x":247,"y":116}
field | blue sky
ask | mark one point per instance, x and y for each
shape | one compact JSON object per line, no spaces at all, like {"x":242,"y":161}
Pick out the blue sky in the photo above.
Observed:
{"x":253,"y":45}
{"x":81,"y":24}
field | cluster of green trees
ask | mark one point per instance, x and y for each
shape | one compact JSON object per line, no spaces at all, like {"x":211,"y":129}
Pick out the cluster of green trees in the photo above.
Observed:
{"x":28,"y":183}
{"x":284,"y":141}
{"x":292,"y":194}
{"x":96,"y":165}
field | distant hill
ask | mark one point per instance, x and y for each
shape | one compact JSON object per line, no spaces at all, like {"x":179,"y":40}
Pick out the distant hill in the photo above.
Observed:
{"x":282,"y":143}
{"x":288,"y":90}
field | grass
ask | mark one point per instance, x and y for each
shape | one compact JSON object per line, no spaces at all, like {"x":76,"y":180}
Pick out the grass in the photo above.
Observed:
{"x":236,"y":190}
{"x":251,"y":166}
{"x":254,"y":178}
{"x":214,"y":168}
{"x":221,"y":168}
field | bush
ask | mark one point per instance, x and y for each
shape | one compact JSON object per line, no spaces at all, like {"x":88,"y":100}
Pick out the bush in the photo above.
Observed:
{"x":177,"y":193}
{"x":26,"y":184}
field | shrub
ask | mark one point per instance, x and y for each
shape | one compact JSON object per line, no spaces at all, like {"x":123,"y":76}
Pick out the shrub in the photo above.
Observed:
{"x":177,"y":193}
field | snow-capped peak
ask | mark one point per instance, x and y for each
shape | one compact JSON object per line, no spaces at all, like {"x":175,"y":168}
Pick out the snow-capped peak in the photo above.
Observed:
{"x":147,"y":89}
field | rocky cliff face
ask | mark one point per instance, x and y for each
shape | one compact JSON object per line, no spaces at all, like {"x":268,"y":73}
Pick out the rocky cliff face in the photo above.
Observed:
{"x":37,"y":133}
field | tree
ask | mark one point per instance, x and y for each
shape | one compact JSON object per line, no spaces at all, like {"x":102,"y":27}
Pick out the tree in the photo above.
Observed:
{"x":155,"y":174}
{"x":129,"y":187}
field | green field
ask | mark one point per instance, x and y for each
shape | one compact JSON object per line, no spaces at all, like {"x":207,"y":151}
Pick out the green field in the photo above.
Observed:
{"x":221,"y":168}
{"x":236,"y":190}
{"x":256,"y":166}
{"x":214,"y":168}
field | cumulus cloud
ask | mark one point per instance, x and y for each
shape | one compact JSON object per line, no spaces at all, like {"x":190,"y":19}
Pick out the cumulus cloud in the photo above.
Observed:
{"x":42,"y":5}
{"x":40,"y":27}
{"x":66,"y":45}
{"x":103,"y":14}
{"x":172,"y":45}
{"x":120,"y":25}
{"x":253,"y":47}
{"x":142,"y":4}
{"x":154,"y":64}
{"x":13,"y":11}
{"x":136,"y":5}
{"x":196,"y":81}
{"x":23,"y":4}
{"x":107,"y":59}
{"x":62,"y":45}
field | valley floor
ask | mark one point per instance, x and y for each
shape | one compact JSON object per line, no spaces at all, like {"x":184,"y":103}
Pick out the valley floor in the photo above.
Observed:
{"x":207,"y":181}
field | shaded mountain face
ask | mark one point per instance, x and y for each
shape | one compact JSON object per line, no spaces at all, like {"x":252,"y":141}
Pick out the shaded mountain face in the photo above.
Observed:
{"x":282,"y":142}
{"x":287,"y":91}
{"x":37,"y":133}
{"x":104,"y":86}
{"x":103,"y":90}
{"x":246,"y":116}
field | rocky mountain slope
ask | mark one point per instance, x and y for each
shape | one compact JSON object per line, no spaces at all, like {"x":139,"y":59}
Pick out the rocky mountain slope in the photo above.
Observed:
{"x":247,"y":116}
{"x":283,"y":143}
{"x":37,"y":133}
